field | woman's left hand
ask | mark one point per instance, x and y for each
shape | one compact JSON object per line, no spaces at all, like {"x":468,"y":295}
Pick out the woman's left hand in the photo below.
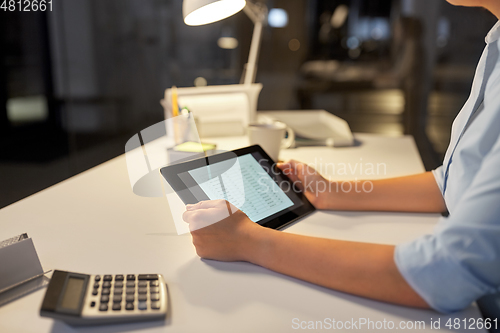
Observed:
{"x":220,"y":230}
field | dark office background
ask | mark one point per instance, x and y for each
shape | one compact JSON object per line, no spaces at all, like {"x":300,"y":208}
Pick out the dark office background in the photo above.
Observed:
{"x":77,"y":82}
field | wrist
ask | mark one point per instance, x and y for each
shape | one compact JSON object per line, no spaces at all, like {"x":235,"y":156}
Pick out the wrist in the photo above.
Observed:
{"x":338,"y":197}
{"x":348,"y":195}
{"x":256,"y":244}
{"x":329,"y":199}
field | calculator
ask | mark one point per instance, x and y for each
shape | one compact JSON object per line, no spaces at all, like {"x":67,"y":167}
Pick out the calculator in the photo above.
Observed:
{"x":80,"y":299}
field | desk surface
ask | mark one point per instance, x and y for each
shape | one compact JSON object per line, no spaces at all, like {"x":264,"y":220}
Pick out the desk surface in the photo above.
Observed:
{"x":93,"y":223}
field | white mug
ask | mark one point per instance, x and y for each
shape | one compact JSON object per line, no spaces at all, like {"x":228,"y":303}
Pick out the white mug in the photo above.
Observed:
{"x":271,"y":137}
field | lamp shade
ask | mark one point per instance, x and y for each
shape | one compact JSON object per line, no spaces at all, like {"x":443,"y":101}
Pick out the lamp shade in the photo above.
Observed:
{"x":199,"y":12}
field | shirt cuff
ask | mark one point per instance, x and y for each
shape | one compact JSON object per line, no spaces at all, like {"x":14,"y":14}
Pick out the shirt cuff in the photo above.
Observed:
{"x":439,"y":177}
{"x":428,"y":268}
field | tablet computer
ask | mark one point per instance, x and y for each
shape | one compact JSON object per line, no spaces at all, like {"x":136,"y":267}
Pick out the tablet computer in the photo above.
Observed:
{"x":248,"y":178}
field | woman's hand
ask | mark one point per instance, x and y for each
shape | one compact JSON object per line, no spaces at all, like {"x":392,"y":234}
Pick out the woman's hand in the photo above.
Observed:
{"x":317,"y":189}
{"x":415,"y":193}
{"x":220,"y":230}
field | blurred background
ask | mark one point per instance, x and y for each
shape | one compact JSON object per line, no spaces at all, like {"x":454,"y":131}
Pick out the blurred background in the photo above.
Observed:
{"x":76,"y":83}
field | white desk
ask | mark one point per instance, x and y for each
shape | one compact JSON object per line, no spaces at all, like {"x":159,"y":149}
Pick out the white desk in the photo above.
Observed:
{"x":93,"y":223}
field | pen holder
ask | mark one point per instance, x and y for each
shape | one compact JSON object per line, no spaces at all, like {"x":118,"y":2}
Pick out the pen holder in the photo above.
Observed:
{"x":183,"y":129}
{"x":20,"y":268}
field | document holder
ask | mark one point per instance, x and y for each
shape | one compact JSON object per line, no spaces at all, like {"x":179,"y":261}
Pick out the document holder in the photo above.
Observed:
{"x":20,"y":270}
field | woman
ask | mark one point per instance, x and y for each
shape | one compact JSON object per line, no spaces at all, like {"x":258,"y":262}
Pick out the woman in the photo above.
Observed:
{"x":445,"y":271}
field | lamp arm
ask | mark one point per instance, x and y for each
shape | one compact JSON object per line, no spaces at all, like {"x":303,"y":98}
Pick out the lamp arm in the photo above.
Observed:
{"x":258,"y":15}
{"x":256,"y":12}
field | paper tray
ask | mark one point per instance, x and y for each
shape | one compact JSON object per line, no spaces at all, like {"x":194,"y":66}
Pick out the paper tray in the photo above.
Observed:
{"x":318,"y":126}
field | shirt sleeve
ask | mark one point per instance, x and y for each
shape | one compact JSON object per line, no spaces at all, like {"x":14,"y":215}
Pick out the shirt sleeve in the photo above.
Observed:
{"x":439,"y":176}
{"x":460,"y":261}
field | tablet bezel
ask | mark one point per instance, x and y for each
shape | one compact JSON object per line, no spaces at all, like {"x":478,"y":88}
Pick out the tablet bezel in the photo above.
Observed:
{"x":171,"y":175}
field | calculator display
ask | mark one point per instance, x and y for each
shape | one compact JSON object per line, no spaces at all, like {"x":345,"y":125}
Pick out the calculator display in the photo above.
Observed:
{"x":73,"y":293}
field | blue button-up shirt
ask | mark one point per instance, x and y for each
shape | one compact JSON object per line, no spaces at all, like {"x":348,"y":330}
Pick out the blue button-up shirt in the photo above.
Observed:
{"x":460,"y":261}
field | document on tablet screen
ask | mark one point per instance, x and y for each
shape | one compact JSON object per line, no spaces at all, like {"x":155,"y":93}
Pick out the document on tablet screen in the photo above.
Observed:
{"x":245,"y":184}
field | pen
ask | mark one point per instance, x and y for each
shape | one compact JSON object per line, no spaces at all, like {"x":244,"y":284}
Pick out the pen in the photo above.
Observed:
{"x":175,"y":106}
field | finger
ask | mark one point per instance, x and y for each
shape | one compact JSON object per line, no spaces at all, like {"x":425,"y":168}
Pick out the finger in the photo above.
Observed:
{"x":309,"y":170}
{"x":191,"y":206}
{"x":282,"y":165}
{"x":289,"y":170}
{"x":304,"y":168}
{"x":299,"y":177}
{"x":311,"y":180}
{"x":187,"y":216}
{"x":192,"y":216}
{"x":202,"y":218}
{"x":293,"y":163}
{"x":206,"y":204}
{"x":221,"y":204}
{"x":300,"y":168}
{"x":194,"y":206}
{"x":285,"y":167}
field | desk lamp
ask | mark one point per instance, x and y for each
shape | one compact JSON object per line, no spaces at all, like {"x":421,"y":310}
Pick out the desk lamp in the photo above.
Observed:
{"x":200,"y":12}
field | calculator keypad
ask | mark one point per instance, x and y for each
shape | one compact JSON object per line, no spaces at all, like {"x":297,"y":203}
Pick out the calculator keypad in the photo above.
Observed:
{"x":126,"y":293}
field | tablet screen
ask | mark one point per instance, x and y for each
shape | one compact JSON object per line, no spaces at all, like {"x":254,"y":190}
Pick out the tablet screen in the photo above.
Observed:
{"x":248,"y":182}
{"x":247,"y":178}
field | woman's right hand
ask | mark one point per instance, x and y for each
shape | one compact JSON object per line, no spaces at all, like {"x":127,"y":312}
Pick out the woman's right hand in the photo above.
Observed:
{"x":316,"y":188}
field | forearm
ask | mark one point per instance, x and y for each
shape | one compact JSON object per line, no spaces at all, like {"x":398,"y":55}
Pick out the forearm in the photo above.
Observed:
{"x":361,"y":269}
{"x":416,"y":193}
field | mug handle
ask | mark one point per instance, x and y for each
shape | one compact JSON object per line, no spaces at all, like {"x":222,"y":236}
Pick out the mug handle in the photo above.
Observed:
{"x":288,"y":142}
